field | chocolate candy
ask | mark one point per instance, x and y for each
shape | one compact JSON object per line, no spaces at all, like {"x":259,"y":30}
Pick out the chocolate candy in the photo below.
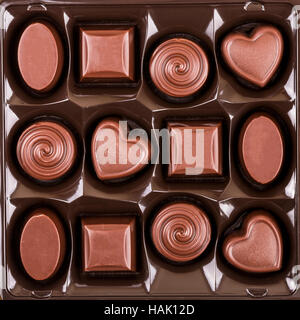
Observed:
{"x":40,"y":56}
{"x":42,"y":244}
{"x":261,"y":148}
{"x":258,"y":246}
{"x":153,"y":130}
{"x":181,"y":232}
{"x":256,"y":57}
{"x":107,"y":54}
{"x":46,"y":150}
{"x":179,"y":67}
{"x":196,"y":148}
{"x":109,"y":244}
{"x":114,"y":155}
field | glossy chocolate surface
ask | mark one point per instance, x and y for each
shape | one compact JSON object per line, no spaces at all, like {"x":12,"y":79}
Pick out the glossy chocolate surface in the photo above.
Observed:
{"x":118,"y":150}
{"x":42,"y":244}
{"x":80,"y":106}
{"x":181,"y":232}
{"x":179,"y":67}
{"x":196,"y":148}
{"x":261,"y":148}
{"x":258,"y":246}
{"x":109,"y":244}
{"x":46,"y":150}
{"x":40,"y":56}
{"x":256,"y":57}
{"x":107,"y":54}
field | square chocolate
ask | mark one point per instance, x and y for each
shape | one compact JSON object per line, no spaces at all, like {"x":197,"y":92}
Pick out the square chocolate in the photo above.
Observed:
{"x":195,"y":148}
{"x":107,"y":54}
{"x":109,"y":244}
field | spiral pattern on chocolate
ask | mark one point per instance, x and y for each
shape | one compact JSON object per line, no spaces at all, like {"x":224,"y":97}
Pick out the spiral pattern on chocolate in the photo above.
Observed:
{"x":181,"y":232}
{"x":46,"y":150}
{"x":179,"y":67}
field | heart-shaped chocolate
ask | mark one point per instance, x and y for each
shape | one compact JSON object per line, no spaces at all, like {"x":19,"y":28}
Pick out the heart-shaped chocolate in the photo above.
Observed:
{"x":257,"y":246}
{"x":255,"y":58}
{"x":116,"y":155}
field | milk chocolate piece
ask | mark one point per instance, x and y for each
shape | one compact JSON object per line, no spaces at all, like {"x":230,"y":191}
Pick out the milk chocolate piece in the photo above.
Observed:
{"x":107,"y":54}
{"x":257,"y":246}
{"x":46,"y":150}
{"x":181,"y":232}
{"x":40,"y":56}
{"x":42,"y":244}
{"x":109,"y":244}
{"x":179,"y":67}
{"x":124,"y":156}
{"x":255,"y":58}
{"x":196,"y":148}
{"x":261,"y":148}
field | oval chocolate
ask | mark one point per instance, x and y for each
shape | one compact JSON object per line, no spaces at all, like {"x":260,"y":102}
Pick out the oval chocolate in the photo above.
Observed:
{"x":42,"y":244}
{"x":261,"y":148}
{"x":40,"y":56}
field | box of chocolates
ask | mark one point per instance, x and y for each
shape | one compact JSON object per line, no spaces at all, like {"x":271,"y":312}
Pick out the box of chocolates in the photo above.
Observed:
{"x":149,"y":149}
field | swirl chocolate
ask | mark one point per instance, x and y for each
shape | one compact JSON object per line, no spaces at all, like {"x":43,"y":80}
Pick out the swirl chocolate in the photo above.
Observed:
{"x":179,"y":67}
{"x":181,"y":232}
{"x":46,"y":150}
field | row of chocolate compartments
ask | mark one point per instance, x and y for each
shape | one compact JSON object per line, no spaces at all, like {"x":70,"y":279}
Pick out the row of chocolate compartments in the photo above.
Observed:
{"x":278,"y":85}
{"x":146,"y":253}
{"x":230,"y":160}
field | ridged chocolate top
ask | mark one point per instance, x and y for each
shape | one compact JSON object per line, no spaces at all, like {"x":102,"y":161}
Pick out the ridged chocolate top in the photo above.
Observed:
{"x":46,"y":150}
{"x":181,"y":232}
{"x":179,"y":67}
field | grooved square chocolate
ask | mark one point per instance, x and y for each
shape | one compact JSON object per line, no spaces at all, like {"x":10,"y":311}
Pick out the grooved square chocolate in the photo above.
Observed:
{"x":109,"y":244}
{"x":195,"y":148}
{"x":107,"y":54}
